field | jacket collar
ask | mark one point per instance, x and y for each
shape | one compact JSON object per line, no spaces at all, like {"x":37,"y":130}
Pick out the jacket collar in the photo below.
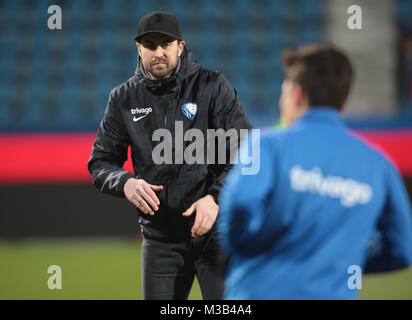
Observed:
{"x":322,"y":115}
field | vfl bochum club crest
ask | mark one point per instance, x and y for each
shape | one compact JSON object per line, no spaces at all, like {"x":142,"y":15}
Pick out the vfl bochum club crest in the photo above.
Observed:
{"x":189,"y":110}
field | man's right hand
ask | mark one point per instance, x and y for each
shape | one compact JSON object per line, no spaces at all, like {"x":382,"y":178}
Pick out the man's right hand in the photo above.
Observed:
{"x":142,"y":195}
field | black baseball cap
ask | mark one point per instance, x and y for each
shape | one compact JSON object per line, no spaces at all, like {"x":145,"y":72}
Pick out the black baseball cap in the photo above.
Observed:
{"x":161,"y":22}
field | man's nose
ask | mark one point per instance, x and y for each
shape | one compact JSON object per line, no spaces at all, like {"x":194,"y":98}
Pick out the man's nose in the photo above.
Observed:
{"x":159,"y":51}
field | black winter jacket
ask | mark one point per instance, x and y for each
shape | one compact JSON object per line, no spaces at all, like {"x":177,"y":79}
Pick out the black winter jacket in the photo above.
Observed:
{"x":134,"y":111}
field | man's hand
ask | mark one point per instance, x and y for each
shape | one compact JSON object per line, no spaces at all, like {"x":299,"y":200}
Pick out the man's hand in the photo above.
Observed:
{"x":142,"y":195}
{"x":206,"y":212}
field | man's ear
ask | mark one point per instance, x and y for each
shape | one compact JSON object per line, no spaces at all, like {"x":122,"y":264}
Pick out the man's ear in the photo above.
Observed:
{"x":181,"y":46}
{"x":299,"y":95}
{"x":138,"y":45}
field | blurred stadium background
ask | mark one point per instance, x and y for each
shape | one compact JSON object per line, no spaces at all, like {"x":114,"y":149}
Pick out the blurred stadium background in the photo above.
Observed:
{"x":54,"y":85}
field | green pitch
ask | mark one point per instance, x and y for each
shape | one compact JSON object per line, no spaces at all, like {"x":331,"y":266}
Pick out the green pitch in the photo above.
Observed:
{"x":111,"y":270}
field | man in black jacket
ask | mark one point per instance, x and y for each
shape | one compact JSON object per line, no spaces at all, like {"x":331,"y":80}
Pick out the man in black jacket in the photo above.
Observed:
{"x":177,"y":201}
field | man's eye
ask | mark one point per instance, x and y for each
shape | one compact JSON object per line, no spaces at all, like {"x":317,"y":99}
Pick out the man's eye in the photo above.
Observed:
{"x":153,"y":46}
{"x":150,"y":46}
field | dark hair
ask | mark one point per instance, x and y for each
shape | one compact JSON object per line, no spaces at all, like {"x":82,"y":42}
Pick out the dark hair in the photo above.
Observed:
{"x":324,"y":73}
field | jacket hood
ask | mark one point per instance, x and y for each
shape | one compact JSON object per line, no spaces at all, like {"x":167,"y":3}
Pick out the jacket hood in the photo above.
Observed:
{"x":188,"y":66}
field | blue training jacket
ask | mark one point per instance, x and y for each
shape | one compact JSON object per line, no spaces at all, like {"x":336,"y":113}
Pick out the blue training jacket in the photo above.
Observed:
{"x":322,"y":202}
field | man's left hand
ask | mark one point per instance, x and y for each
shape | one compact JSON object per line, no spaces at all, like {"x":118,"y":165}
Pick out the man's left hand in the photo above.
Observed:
{"x":206,"y":212}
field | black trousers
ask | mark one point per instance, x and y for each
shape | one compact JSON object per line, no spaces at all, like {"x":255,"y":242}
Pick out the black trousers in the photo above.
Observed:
{"x":168,"y":269}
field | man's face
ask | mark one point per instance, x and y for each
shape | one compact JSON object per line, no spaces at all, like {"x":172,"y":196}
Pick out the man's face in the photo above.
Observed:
{"x":292,"y":102}
{"x":159,"y":54}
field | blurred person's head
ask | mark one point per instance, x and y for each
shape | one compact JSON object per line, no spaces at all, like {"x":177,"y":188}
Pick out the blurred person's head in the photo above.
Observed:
{"x":159,"y":44}
{"x":317,"y":75}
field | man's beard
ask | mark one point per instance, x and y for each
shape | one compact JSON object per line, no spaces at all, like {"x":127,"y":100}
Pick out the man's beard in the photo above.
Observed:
{"x":160,"y":71}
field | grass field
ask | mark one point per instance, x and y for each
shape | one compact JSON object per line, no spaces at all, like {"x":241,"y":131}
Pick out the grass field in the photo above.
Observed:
{"x":108,"y":269}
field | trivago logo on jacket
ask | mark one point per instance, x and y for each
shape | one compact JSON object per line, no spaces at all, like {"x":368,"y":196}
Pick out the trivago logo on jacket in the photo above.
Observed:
{"x":145,"y":112}
{"x":349,"y":191}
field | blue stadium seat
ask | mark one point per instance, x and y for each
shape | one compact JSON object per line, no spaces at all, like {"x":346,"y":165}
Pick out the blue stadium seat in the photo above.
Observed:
{"x":10,"y":11}
{"x":403,"y":11}
{"x":6,"y":92}
{"x":8,"y":46}
{"x":278,"y":9}
{"x":310,"y":35}
{"x":68,"y":105}
{"x":78,"y":10}
{"x":32,"y":113}
{"x":311,"y":9}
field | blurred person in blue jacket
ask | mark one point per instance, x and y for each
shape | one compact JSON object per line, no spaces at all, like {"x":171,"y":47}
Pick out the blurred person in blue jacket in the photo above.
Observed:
{"x":323,"y":203}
